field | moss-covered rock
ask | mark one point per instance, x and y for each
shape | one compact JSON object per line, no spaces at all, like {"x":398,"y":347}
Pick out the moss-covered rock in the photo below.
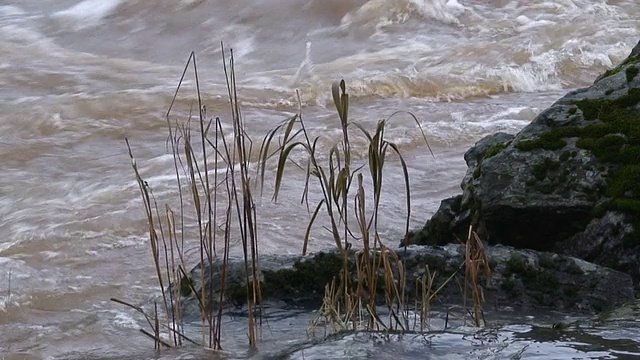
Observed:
{"x":450,"y":224}
{"x":558,"y":182}
{"x":519,"y":277}
{"x":306,"y":279}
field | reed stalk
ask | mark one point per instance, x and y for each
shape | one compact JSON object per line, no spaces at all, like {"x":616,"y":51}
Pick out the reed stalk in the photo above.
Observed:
{"x":197,"y":158}
{"x":351,"y":299}
{"x":476,"y":264}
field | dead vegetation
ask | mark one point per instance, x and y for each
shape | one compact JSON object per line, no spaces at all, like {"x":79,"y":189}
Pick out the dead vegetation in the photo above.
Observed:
{"x":215,"y":189}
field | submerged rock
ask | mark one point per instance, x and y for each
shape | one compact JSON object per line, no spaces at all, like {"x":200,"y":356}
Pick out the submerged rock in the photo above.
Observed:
{"x":569,"y":182}
{"x":520,"y":278}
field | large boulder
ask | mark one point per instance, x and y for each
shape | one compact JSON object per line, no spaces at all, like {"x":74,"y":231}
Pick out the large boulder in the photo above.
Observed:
{"x":569,"y":182}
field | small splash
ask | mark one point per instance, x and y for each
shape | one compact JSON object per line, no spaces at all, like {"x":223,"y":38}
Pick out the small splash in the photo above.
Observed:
{"x":306,"y":70}
{"x":445,"y":11}
{"x":377,"y":14}
{"x":125,"y":320}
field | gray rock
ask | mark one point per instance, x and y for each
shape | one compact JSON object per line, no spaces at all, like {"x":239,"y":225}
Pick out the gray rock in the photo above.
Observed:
{"x":522,"y":279}
{"x":567,"y":182}
{"x":448,"y":225}
{"x":525,"y":279}
{"x":605,"y":240}
{"x":474,"y":156}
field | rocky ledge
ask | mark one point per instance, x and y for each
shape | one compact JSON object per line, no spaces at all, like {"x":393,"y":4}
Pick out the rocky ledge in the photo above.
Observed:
{"x":522,"y":279}
{"x":568,"y":183}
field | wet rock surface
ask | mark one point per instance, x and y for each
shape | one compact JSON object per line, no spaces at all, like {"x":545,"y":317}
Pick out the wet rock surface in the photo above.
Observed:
{"x":567,"y":183}
{"x":523,"y":279}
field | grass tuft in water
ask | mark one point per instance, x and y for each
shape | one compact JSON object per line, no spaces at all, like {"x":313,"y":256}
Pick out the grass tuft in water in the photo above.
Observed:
{"x":214,"y":187}
{"x":210,"y":173}
{"x":351,"y":301}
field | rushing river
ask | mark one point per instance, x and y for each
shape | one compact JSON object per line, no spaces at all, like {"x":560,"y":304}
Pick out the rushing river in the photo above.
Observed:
{"x":77,"y":77}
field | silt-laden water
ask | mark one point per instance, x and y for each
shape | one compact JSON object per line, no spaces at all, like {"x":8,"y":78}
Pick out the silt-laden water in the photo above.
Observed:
{"x":77,"y":77}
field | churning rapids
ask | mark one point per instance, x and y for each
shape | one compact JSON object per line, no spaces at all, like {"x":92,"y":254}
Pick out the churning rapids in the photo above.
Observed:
{"x":77,"y":77}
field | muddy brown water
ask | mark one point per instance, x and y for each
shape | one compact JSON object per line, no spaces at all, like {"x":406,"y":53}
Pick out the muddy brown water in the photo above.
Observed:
{"x":77,"y":77}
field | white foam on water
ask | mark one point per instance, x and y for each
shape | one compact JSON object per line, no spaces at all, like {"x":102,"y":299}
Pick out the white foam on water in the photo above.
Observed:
{"x":528,"y":24}
{"x":306,"y":70}
{"x":16,"y":27}
{"x":89,"y":12}
{"x":528,"y":78}
{"x":9,"y":244}
{"x":50,"y":254}
{"x":18,"y":33}
{"x":121,"y":244}
{"x":445,"y":11}
{"x":17,"y":278}
{"x":377,"y":14}
{"x":515,"y":113}
{"x":243,"y":47}
{"x":10,"y":11}
{"x":125,"y":320}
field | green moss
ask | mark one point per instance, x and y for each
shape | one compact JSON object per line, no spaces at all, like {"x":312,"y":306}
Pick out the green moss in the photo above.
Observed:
{"x":573,"y":110}
{"x":509,"y":287}
{"x":625,"y":183}
{"x":608,"y":92}
{"x":608,"y":148}
{"x":559,"y":326}
{"x":186,"y":286}
{"x":631,"y":73}
{"x":236,"y":293}
{"x":565,"y":155}
{"x":542,"y":281}
{"x":626,"y":205}
{"x":541,"y":170}
{"x":573,"y":268}
{"x":613,"y":137}
{"x":616,"y":140}
{"x":306,"y":279}
{"x":559,"y":263}
{"x":516,"y":264}
{"x":494,"y":150}
{"x":546,"y":142}
{"x":456,"y":205}
{"x":547,"y":261}
{"x":477,"y":171}
{"x":620,"y":67}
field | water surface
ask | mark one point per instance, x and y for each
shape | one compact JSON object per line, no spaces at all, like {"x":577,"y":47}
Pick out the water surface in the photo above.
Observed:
{"x":77,"y":77}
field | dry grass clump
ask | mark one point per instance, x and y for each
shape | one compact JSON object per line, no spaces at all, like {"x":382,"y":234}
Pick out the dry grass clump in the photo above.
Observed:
{"x":476,"y":266}
{"x":214,"y":187}
{"x":348,"y":302}
{"x":214,"y":170}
